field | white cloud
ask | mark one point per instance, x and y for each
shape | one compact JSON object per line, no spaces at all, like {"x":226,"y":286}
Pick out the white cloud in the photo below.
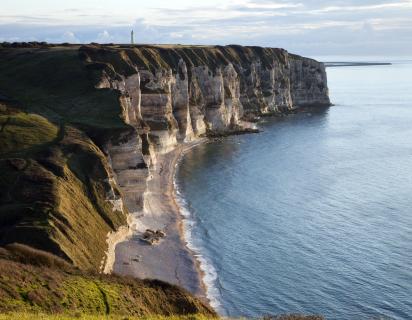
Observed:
{"x":176,"y":35}
{"x":317,"y":25}
{"x":264,"y":5}
{"x":382,"y":6}
{"x":104,"y":37}
{"x":70,"y":37}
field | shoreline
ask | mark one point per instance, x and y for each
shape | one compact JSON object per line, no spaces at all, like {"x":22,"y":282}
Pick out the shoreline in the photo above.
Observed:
{"x":204,"y":267}
{"x":171,"y":259}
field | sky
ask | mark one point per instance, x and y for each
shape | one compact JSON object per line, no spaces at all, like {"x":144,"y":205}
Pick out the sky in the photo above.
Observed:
{"x":309,"y":27}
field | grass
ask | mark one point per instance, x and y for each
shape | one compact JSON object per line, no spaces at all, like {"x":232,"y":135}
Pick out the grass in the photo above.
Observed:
{"x":30,"y":316}
{"x":20,"y":131}
{"x":55,"y":178}
{"x":53,"y":189}
{"x":57,"y":85}
{"x":51,"y":286}
{"x":55,"y":199}
{"x":162,"y":56}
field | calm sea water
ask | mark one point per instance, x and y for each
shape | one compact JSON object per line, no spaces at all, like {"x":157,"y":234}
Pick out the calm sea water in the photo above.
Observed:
{"x":314,"y":215}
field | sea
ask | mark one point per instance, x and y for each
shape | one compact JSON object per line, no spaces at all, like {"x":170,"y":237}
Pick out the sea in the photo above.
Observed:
{"x":314,"y":214}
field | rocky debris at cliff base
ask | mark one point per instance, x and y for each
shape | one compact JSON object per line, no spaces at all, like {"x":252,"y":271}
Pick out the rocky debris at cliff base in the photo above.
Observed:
{"x":277,"y":114}
{"x":153,"y":237}
{"x":250,"y":117}
{"x":234,"y":132}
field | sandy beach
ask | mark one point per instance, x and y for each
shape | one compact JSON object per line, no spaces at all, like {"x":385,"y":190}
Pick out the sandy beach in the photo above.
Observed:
{"x":170,"y":260}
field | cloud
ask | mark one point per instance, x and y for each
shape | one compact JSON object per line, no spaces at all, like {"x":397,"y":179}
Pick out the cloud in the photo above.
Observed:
{"x":104,"y":37}
{"x":370,"y":7}
{"x":304,"y":26}
{"x":176,"y":35}
{"x":70,"y":37}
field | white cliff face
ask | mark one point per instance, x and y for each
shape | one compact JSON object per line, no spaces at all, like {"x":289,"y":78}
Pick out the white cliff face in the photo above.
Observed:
{"x":133,"y":99}
{"x":309,"y":82}
{"x":157,"y":109}
{"x":181,"y":93}
{"x":180,"y":103}
{"x":266,"y":89}
{"x":170,"y":95}
{"x":217,"y":95}
{"x":173,"y":95}
{"x":232,"y":104}
{"x":282,"y":87}
{"x":130,"y":171}
{"x":128,"y":161}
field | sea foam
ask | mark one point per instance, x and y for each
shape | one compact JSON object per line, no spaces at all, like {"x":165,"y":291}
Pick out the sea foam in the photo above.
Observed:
{"x":209,"y":273}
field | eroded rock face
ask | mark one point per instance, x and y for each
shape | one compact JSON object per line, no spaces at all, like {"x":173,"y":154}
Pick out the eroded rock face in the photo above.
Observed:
{"x":180,"y":102}
{"x":131,"y":171}
{"x":309,"y":82}
{"x":170,"y":95}
{"x":181,"y":92}
{"x":110,"y":117}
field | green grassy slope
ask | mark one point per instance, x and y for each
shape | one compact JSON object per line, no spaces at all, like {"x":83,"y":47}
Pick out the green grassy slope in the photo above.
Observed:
{"x":53,"y":286}
{"x":40,"y":316}
{"x":57,"y":84}
{"x":37,"y":316}
{"x":21,"y":131}
{"x":54,"y":180}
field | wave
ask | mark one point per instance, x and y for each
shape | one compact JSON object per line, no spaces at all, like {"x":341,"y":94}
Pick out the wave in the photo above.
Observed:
{"x":208,"y":271}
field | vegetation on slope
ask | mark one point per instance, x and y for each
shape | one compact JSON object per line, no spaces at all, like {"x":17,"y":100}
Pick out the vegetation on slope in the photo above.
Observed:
{"x":55,"y":183}
{"x":153,"y":57}
{"x":20,"y":131}
{"x":30,"y":316}
{"x":39,"y":316}
{"x":32,"y":281}
{"x":53,"y":190}
{"x":56,"y":84}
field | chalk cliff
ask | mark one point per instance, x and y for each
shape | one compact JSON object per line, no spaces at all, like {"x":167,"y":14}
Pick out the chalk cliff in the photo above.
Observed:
{"x":171,"y":95}
{"x":182,"y":92}
{"x":111,"y":111}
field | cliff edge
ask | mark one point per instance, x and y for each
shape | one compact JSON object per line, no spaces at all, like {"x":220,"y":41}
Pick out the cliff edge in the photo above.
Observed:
{"x":81,"y":127}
